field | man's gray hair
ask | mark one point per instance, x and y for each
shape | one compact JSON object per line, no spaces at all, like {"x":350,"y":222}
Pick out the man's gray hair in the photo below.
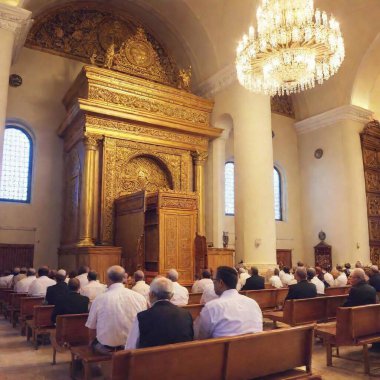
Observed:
{"x":359,"y":273}
{"x":116,"y":273}
{"x":301,"y":273}
{"x":139,"y":275}
{"x":172,"y":275}
{"x":162,"y":288}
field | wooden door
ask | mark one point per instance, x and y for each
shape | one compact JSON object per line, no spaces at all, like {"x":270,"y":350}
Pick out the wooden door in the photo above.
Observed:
{"x":284,"y":256}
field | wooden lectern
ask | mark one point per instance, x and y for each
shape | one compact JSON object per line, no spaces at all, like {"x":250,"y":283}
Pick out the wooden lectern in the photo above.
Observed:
{"x":156,"y":232}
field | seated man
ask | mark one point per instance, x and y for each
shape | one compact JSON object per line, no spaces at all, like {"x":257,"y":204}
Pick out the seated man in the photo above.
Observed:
{"x":140,"y":285}
{"x":374,"y":277}
{"x":55,"y":292}
{"x":287,"y":277}
{"x":180,"y":293}
{"x":243,"y":276}
{"x":23,"y":285}
{"x":93,"y":288}
{"x":255,"y":282}
{"x":163,"y":323}
{"x":72,"y":302}
{"x":360,"y":293}
{"x":113,"y":312}
{"x":328,"y":277}
{"x":20,"y":276}
{"x":6,"y":279}
{"x":275,"y":280}
{"x":341,"y":279}
{"x":313,"y":278}
{"x":39,"y":286}
{"x":302,"y":289}
{"x":200,"y":285}
{"x":230,"y":314}
{"x":82,"y":275}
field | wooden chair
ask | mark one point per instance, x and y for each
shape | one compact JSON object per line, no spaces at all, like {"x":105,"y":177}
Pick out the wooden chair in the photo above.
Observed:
{"x":15,"y":307}
{"x":70,"y":331}
{"x":266,"y":298}
{"x":354,"y":326}
{"x":195,"y":298}
{"x":194,"y":310}
{"x":41,"y":323}
{"x":230,"y":358}
{"x":26,"y":310}
{"x":337,"y":290}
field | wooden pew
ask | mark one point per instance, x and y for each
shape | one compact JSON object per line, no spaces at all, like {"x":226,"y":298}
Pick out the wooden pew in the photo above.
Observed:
{"x":266,"y":298}
{"x":41,"y":323}
{"x":337,"y":290}
{"x":70,"y":331}
{"x":26,"y":310}
{"x":223,"y":358}
{"x":195,"y":298}
{"x":308,"y":310}
{"x":15,"y":306}
{"x":7,"y":303}
{"x":3,"y":295}
{"x":354,"y":326}
{"x":194,"y":310}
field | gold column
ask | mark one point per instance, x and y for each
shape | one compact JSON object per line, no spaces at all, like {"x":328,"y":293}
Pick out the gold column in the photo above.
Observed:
{"x":88,"y":191}
{"x":199,"y":159}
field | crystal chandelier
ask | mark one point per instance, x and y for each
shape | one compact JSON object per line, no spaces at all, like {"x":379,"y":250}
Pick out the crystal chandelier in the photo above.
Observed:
{"x":294,"y":47}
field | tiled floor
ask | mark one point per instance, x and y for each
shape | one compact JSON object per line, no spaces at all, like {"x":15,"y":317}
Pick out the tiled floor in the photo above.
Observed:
{"x":19,"y":360}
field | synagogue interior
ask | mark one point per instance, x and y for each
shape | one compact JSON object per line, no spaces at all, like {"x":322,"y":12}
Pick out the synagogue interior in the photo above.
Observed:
{"x":186,"y":135}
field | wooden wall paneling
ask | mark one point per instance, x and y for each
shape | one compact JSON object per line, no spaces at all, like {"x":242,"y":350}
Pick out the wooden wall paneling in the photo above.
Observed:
{"x":12,"y":255}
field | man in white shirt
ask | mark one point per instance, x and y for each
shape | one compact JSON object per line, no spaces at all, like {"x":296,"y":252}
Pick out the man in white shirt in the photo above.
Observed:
{"x":140,"y":285}
{"x":313,"y":278}
{"x":23,"y":285}
{"x":113,"y":312}
{"x":82,"y":275}
{"x":180,"y":293}
{"x":19,"y":277}
{"x":208,"y":295}
{"x":287,"y":278}
{"x":243,"y":276}
{"x":231,"y":314}
{"x":200,"y":285}
{"x":341,"y":280}
{"x":40,"y":284}
{"x":275,"y":280}
{"x":6,"y":279}
{"x":93,"y":288}
{"x":328,"y":277}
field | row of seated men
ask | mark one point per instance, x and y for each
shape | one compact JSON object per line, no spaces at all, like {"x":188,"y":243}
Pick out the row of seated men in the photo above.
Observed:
{"x":120,"y":317}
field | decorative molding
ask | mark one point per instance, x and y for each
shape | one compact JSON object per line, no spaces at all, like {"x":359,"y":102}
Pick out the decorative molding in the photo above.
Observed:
{"x":325,"y":119}
{"x":18,"y":21}
{"x":217,"y":82}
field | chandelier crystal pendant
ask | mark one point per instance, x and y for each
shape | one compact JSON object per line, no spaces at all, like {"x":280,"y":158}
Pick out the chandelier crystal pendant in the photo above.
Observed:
{"x":294,"y":47}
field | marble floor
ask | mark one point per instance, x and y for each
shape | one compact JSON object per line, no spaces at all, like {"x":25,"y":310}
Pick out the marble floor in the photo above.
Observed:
{"x":20,"y":361}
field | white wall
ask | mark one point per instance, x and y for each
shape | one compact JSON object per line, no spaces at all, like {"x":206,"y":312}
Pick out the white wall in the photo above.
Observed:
{"x":37,"y":102}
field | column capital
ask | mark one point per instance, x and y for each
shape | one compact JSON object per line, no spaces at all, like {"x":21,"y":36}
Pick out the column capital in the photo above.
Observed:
{"x":199,"y":157}
{"x":91,"y":142}
{"x":331,"y":117}
{"x":18,"y":21}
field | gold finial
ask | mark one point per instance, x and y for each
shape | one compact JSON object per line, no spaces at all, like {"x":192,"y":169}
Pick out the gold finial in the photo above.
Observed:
{"x":184,"y":79}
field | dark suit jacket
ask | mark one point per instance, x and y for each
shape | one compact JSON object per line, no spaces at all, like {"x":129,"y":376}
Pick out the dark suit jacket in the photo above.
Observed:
{"x":301,"y":290}
{"x":72,"y":303}
{"x":164,"y":323}
{"x":375,"y":281}
{"x":54,"y":292}
{"x":254,"y":283}
{"x":361,"y":294}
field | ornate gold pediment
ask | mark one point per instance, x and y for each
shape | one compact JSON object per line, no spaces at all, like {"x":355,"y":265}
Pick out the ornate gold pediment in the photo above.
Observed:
{"x":91,"y":33}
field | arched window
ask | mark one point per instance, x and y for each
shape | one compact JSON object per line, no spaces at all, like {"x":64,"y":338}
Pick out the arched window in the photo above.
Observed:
{"x":277,"y":194}
{"x":229,"y":193}
{"x":16,"y":173}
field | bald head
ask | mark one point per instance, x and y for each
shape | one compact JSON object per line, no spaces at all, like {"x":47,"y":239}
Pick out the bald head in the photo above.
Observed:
{"x":172,"y":275}
{"x":359,"y":274}
{"x":116,"y":273}
{"x":301,"y":274}
{"x":311,"y":272}
{"x":139,"y":275}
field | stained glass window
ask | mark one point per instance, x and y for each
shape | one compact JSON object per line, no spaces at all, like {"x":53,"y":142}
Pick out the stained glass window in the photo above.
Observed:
{"x":16,"y":173}
{"x":229,"y":193}
{"x":277,"y":194}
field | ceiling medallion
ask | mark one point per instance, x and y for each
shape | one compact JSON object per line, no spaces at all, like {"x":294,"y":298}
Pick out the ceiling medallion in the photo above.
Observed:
{"x":295,"y":46}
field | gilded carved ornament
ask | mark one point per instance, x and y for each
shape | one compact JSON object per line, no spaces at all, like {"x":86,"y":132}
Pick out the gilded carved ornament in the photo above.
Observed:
{"x":199,"y":157}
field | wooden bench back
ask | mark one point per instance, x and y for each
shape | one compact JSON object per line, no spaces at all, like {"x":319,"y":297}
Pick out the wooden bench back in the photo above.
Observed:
{"x":276,"y":351}
{"x":337,"y":290}
{"x":266,"y":298}
{"x":332,"y":304}
{"x":4,"y":293}
{"x":220,"y":358}
{"x":27,"y":304}
{"x":195,"y":298}
{"x":365,"y":320}
{"x":42,"y":315}
{"x":7,"y":297}
{"x":15,"y":299}
{"x":281,"y":294}
{"x":200,"y":360}
{"x":194,"y":310}
{"x":71,"y":330}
